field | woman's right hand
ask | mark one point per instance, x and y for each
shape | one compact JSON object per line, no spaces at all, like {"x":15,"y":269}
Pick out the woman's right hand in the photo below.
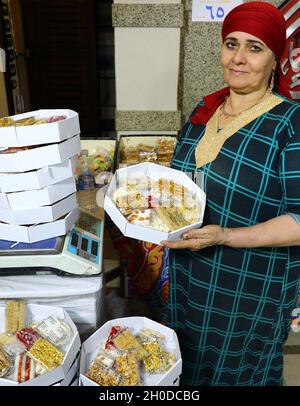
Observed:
{"x":199,"y":238}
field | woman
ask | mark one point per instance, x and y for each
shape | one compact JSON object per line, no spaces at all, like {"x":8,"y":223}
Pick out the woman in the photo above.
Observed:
{"x":233,"y":282}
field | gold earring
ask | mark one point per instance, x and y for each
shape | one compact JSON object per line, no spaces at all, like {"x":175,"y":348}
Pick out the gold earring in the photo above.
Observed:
{"x":271,"y":85}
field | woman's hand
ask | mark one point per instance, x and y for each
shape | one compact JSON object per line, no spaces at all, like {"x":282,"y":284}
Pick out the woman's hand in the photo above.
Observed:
{"x":199,"y":238}
{"x":281,"y":231}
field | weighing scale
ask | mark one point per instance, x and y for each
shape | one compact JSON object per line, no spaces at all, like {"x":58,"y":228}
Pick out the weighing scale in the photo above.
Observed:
{"x":63,"y":271}
{"x":79,"y":253}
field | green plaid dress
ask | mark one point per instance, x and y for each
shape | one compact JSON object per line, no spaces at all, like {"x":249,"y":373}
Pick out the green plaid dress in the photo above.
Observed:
{"x":231,"y":307}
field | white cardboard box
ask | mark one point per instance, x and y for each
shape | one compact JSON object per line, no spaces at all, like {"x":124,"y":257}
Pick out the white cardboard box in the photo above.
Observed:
{"x":34,"y":233}
{"x":72,"y":377}
{"x":41,"y":133}
{"x":91,"y":145}
{"x":155,"y":172}
{"x":91,"y":347}
{"x":39,"y":157}
{"x":36,"y":313}
{"x":39,"y":214}
{"x":38,"y":198}
{"x":49,"y":175}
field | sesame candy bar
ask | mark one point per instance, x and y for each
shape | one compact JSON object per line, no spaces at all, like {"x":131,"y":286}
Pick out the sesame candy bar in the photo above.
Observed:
{"x":14,"y":316}
{"x":46,"y":353}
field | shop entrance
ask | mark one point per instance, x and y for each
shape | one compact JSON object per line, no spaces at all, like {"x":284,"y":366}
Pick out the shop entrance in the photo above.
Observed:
{"x":61,"y":54}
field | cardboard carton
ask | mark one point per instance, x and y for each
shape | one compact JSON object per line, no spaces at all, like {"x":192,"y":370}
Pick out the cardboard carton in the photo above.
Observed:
{"x":38,"y":179}
{"x":38,"y":232}
{"x":38,"y":215}
{"x":39,"y":157}
{"x":37,"y":198}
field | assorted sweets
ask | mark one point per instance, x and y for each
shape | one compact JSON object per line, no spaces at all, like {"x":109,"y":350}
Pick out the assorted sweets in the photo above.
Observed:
{"x":125,"y":359}
{"x":160,"y":204}
{"x":160,"y":153}
{"x":95,"y":167}
{"x":100,"y":160}
{"x":28,"y":350}
{"x":9,"y":121}
{"x":12,"y":150}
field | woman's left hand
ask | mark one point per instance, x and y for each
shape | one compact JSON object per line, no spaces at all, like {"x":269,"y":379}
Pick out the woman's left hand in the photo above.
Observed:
{"x":198,"y":238}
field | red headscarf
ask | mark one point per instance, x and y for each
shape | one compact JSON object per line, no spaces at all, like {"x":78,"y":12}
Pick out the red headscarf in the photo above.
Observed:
{"x":263,"y":20}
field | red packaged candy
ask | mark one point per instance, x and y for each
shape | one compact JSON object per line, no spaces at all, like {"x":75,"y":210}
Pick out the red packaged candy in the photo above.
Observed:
{"x":27,"y":336}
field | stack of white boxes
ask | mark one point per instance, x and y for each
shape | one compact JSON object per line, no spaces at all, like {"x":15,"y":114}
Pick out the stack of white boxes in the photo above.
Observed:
{"x":37,"y":185}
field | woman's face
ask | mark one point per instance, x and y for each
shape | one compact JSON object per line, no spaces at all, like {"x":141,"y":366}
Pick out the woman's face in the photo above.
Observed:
{"x":247,"y":62}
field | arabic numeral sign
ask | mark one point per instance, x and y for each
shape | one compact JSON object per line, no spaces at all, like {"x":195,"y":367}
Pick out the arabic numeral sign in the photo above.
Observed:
{"x":212,"y":10}
{"x":215,"y":12}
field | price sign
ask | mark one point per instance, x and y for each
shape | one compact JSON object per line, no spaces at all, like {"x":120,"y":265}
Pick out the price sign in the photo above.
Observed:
{"x":211,"y":10}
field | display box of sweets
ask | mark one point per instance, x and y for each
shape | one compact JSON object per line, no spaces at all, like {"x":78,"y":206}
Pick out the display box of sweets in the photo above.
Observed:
{"x":98,"y":156}
{"x":39,"y":345}
{"x":38,"y":232}
{"x":38,"y":179}
{"x":38,"y":127}
{"x":134,"y":149}
{"x":39,"y":197}
{"x":22,"y":159}
{"x":152,"y":202}
{"x":131,"y":351}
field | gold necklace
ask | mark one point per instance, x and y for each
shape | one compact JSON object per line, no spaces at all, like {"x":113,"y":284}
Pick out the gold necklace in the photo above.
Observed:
{"x":211,"y":142}
{"x":237,"y":115}
{"x":226,"y":114}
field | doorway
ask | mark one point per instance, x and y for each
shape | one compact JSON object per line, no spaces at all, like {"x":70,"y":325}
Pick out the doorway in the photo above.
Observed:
{"x":61,"y":55}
